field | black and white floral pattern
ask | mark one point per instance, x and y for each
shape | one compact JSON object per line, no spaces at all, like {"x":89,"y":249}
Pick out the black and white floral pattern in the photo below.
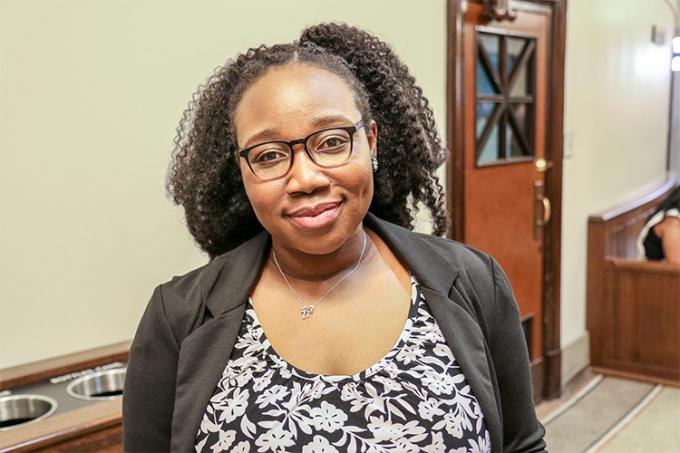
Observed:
{"x":415,"y":399}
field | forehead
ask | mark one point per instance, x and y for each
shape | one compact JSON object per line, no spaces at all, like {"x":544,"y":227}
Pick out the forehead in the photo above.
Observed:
{"x":288,"y":100}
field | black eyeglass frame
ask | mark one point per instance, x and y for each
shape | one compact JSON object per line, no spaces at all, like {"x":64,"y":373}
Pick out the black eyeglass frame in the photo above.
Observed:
{"x":349,"y":129}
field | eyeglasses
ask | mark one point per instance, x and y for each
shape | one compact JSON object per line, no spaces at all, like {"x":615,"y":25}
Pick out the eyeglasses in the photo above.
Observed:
{"x":327,"y":148}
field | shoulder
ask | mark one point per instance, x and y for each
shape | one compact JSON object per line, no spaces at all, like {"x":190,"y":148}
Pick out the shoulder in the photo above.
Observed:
{"x":192,"y":284}
{"x":669,"y":221}
{"x":453,"y":252}
{"x":483,"y":284}
{"x":476,"y":268}
{"x":443,"y":261}
{"x":181,"y":299}
{"x":439,"y":260}
{"x":471,"y":258}
{"x":481,"y":280}
{"x":474,"y":274}
{"x":188,"y":300}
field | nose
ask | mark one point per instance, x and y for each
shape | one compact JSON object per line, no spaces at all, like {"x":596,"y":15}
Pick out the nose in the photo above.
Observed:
{"x":305,"y":175}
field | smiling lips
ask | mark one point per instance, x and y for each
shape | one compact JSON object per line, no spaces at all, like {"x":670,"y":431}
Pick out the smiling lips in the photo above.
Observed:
{"x":319,"y":216}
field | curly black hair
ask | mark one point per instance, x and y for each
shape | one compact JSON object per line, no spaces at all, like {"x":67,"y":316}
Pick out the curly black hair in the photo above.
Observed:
{"x":204,"y":175}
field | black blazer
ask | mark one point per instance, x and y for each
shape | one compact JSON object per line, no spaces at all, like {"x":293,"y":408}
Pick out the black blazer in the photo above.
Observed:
{"x":190,"y":325}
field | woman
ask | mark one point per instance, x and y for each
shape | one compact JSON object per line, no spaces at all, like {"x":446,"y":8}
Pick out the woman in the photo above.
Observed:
{"x":660,"y":237}
{"x":321,"y":324}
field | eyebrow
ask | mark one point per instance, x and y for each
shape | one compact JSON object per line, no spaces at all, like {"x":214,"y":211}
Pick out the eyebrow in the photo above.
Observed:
{"x":320,"y":122}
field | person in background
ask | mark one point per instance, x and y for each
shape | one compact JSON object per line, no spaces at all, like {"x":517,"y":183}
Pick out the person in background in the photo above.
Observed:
{"x":322,"y":323}
{"x":660,"y":237}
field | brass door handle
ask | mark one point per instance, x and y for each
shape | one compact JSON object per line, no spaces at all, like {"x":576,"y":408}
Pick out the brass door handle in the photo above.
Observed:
{"x":547,"y":211}
{"x":542,"y":210}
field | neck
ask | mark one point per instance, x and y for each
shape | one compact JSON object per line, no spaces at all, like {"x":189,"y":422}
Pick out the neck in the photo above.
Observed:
{"x":311,"y":267}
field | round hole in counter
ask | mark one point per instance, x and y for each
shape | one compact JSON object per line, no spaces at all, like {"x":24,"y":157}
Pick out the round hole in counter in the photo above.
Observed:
{"x":17,"y":410}
{"x":102,"y":385}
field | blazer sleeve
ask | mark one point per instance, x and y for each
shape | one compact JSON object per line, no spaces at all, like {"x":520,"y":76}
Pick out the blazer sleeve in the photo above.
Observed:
{"x":522,"y":432}
{"x":149,"y":391}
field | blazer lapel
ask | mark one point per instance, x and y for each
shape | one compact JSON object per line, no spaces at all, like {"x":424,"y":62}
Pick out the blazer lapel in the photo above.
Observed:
{"x":202,"y":359}
{"x":466,"y":340}
{"x":205,"y":352}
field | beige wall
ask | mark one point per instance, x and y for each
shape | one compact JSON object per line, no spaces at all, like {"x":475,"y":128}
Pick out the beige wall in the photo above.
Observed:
{"x":90,"y":95}
{"x":616,"y":121}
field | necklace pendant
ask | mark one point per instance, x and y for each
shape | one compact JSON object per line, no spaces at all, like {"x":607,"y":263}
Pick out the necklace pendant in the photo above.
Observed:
{"x":306,"y":311}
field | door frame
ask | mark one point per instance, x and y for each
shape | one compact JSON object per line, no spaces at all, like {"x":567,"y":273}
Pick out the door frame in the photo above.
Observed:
{"x":550,"y":367}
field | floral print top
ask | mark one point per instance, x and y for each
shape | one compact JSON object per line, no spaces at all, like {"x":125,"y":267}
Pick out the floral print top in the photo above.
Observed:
{"x":414,"y":399}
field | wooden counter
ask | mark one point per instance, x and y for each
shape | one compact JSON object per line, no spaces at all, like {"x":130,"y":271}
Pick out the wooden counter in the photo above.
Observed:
{"x":94,"y":427}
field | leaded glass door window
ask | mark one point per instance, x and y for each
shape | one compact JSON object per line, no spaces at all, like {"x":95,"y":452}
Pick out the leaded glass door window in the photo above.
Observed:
{"x":505,"y":98}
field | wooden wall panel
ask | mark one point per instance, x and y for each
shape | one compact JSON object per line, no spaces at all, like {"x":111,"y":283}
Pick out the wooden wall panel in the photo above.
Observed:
{"x":633,"y":307}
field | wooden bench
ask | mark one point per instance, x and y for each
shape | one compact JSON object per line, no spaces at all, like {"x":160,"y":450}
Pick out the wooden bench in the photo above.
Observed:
{"x":633,"y":306}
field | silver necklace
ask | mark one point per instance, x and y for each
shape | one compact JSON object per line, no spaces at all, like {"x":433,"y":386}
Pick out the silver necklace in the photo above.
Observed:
{"x":307,"y":310}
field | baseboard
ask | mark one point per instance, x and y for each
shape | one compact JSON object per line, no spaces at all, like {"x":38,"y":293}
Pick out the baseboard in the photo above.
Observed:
{"x":575,"y":357}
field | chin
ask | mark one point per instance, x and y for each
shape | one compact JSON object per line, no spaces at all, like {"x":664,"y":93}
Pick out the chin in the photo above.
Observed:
{"x":315,"y":242}
{"x":320,"y":243}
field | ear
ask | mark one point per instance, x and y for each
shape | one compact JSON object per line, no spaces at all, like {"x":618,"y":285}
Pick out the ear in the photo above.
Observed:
{"x":372,"y":136}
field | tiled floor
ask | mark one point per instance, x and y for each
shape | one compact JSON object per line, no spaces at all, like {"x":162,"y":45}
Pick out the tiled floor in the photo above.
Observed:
{"x":656,"y":428}
{"x":613,"y":415}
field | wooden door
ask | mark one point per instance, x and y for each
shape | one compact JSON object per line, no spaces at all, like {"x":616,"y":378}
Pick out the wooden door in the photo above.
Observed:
{"x":505,"y":73}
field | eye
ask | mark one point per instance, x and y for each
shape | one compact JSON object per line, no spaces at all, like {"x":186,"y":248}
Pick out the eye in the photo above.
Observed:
{"x":268,"y":155}
{"x":332,"y":143}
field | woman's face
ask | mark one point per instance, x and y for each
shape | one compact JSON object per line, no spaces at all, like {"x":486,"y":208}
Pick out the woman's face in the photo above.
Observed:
{"x":310,"y":209}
